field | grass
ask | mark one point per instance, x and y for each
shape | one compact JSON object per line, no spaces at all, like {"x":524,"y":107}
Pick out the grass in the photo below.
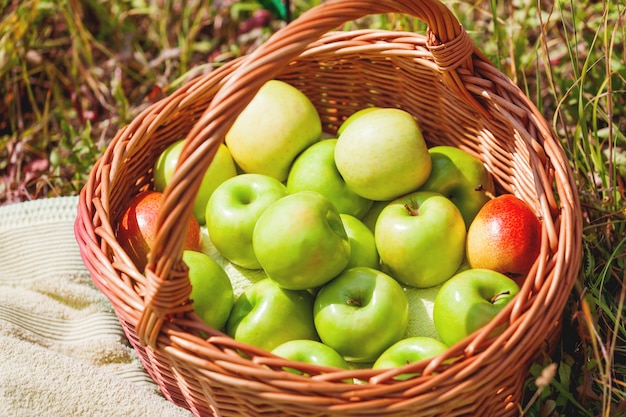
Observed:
{"x":72,"y":72}
{"x":570,"y":60}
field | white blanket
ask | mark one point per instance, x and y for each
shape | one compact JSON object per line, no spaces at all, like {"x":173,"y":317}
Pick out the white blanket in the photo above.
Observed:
{"x":62,"y":350}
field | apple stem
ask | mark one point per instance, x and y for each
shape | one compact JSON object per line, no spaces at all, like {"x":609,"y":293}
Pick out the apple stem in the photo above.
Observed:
{"x":498,"y":295}
{"x":352,"y":302}
{"x":413,"y":209}
{"x":488,"y":193}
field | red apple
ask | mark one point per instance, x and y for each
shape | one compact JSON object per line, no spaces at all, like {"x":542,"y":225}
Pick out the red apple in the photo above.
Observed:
{"x":137,"y":229}
{"x":505,"y":237}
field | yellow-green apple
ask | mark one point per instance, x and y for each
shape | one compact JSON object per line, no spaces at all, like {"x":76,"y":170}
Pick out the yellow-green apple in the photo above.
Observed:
{"x":505,"y":236}
{"x":420,"y":238}
{"x":469,"y":300}
{"x":300,"y":241}
{"x":232,"y":213}
{"x":266,"y":315}
{"x":361,"y":313}
{"x":382,"y":154}
{"x":310,"y":351}
{"x":138,"y":227}
{"x":314,"y":169}
{"x":461,"y":177}
{"x":353,"y":117}
{"x":222,"y":167}
{"x":409,"y":350}
{"x":362,"y":243}
{"x":211,"y":289}
{"x":278,"y":124}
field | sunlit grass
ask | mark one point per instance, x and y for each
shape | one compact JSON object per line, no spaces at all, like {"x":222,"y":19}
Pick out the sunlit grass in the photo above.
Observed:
{"x":570,"y":59}
{"x":72,"y":72}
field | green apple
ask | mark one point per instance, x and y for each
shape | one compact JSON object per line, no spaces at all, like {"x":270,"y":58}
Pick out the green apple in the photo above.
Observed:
{"x":469,"y":300}
{"x":372,"y":214}
{"x":362,"y":243}
{"x":211,"y":290}
{"x":315,"y":170}
{"x":420,"y":238}
{"x":409,"y":350}
{"x":361,"y":313}
{"x":266,"y":315}
{"x":278,"y":124}
{"x":382,"y":154}
{"x":421,"y":305}
{"x":353,"y":117}
{"x":461,"y":177}
{"x":300,"y":241}
{"x":310,"y":351}
{"x":222,"y":167}
{"x":232,"y":213}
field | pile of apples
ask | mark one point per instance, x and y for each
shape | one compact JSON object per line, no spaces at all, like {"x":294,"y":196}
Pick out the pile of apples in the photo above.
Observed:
{"x":341,"y":227}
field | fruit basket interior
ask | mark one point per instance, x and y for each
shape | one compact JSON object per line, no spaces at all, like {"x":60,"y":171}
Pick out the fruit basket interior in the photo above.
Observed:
{"x":458,"y":97}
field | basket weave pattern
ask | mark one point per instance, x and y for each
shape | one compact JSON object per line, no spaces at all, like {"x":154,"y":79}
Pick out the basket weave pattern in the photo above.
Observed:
{"x":458,"y":97}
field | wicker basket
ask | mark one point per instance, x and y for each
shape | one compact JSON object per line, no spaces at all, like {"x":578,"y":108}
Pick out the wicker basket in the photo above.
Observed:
{"x":459,"y":99}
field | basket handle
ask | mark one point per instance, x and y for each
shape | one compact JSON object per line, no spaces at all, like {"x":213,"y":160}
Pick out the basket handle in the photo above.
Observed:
{"x":167,"y":282}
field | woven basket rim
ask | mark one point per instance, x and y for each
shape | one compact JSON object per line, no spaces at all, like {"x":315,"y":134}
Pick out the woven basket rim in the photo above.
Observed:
{"x":172,"y":334}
